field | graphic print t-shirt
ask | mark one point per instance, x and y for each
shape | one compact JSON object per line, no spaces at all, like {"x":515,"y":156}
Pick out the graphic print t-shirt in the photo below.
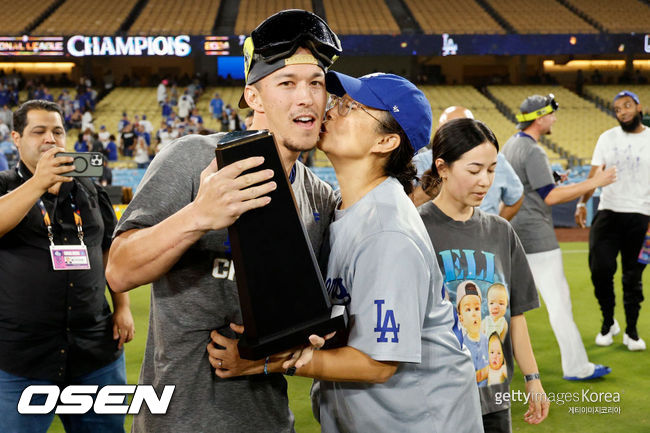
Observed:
{"x":483,"y":260}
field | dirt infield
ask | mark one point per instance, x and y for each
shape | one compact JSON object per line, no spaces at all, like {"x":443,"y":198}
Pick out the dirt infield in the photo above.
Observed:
{"x":572,"y":234}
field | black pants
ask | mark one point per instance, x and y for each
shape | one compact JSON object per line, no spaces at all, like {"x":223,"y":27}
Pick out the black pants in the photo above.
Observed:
{"x":610,"y":233}
{"x":497,"y":422}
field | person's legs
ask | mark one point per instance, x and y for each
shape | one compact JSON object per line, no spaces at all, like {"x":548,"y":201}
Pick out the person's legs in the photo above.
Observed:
{"x":11,"y":388}
{"x":635,"y":226}
{"x":604,"y":245}
{"x":548,"y":273}
{"x":497,"y":422}
{"x":112,"y":374}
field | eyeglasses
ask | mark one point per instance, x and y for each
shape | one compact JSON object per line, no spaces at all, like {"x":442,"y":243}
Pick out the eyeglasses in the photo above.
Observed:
{"x":344,"y":107}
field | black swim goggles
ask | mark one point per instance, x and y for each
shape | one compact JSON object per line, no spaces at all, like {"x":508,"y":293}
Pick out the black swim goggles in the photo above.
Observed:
{"x":280,"y":35}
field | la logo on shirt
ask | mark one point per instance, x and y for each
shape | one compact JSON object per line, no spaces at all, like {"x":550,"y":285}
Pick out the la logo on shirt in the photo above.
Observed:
{"x":386,"y":323}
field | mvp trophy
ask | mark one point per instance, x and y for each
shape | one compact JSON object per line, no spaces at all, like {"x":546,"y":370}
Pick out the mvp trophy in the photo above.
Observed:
{"x":281,"y":293}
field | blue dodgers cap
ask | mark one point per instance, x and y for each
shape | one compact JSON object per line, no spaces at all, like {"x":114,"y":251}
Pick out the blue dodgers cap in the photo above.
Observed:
{"x":391,"y":93}
{"x":623,"y":93}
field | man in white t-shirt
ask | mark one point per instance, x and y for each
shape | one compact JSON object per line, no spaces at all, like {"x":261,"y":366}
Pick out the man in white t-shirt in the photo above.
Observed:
{"x":166,"y":136}
{"x":622,"y":218}
{"x":148,"y":127}
{"x":104,"y":135}
{"x":87,"y":121}
{"x":161,"y":91}
{"x":185,"y":105}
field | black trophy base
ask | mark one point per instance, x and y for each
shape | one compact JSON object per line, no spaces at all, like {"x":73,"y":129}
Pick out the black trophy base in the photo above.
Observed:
{"x":294,"y":336}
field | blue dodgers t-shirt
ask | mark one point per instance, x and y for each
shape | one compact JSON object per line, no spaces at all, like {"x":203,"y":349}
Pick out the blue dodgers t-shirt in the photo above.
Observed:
{"x":506,"y":187}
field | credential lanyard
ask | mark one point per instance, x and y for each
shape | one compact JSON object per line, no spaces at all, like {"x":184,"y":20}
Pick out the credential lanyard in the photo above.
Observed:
{"x":48,"y":222}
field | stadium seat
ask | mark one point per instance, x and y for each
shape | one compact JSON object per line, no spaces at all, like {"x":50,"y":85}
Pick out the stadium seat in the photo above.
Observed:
{"x":483,"y":109}
{"x":620,"y":16}
{"x":460,"y":16}
{"x":541,"y":16}
{"x":368,"y":17}
{"x":194,"y":17}
{"x":86,"y":17}
{"x":18,"y":17}
{"x":579,"y":124}
{"x":253,"y":12}
{"x":604,"y":94}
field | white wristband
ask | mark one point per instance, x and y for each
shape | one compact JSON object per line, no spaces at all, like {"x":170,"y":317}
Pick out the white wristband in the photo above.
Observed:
{"x":581,"y":205}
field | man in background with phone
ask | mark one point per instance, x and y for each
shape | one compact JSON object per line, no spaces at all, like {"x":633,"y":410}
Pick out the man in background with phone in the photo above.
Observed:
{"x":56,"y":326}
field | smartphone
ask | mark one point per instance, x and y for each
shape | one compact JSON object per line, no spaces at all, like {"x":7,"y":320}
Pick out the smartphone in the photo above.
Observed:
{"x":85,"y":164}
{"x":557,"y":177}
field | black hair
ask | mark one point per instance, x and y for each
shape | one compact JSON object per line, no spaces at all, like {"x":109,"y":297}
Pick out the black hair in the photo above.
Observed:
{"x":471,"y":289}
{"x":399,"y":163}
{"x":451,"y":141}
{"x":20,"y":115}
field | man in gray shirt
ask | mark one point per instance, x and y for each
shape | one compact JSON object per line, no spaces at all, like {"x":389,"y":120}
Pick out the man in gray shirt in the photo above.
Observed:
{"x":534,"y":226}
{"x":173,"y":234}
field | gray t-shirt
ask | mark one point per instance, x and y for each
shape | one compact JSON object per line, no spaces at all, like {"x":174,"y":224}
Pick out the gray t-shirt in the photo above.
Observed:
{"x":485,"y":252}
{"x":382,"y":267}
{"x":198,"y":295}
{"x":534,"y":221}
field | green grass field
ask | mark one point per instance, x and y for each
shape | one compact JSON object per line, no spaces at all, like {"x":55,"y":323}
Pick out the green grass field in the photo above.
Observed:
{"x":629,"y":377}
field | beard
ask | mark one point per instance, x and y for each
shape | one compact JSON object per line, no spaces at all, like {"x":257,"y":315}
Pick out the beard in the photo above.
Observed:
{"x":302,"y":146}
{"x":633,"y":124}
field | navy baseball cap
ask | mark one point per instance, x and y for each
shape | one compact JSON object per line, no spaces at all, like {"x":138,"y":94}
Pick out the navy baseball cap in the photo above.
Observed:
{"x":392,"y":93}
{"x":623,"y":93}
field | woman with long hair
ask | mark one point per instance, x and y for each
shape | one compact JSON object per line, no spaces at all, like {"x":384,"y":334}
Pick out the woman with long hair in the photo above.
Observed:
{"x":481,"y":250}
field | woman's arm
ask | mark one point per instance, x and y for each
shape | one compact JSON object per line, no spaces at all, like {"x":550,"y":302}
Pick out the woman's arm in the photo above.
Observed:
{"x":347,"y":364}
{"x":539,"y":404}
{"x":344,"y":364}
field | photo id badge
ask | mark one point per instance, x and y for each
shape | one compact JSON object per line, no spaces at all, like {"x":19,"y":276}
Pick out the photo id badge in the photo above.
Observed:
{"x":69,"y":257}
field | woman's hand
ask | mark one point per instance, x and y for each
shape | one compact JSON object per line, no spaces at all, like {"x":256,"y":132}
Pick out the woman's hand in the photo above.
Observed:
{"x":538,"y":404}
{"x":227,"y":362}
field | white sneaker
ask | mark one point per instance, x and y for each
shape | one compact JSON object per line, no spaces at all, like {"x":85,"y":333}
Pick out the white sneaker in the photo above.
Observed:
{"x":633,"y":345}
{"x":608,"y":339}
